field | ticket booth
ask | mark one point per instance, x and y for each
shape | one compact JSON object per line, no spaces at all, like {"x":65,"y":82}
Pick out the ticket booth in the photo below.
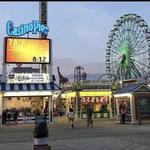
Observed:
{"x":136,"y":99}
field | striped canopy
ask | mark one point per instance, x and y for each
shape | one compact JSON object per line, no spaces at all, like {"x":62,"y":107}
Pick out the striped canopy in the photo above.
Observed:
{"x":29,"y":87}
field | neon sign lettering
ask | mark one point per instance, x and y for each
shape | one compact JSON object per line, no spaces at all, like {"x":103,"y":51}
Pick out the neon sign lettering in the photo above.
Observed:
{"x":34,"y":27}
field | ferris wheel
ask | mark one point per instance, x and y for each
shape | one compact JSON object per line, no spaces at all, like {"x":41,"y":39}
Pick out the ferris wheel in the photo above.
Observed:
{"x":128,"y":48}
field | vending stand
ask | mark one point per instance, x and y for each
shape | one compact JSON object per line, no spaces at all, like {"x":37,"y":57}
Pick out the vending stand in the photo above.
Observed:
{"x":136,"y":99}
{"x":17,"y":92}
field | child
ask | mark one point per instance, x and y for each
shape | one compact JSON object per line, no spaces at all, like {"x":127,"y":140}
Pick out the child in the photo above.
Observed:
{"x":123,"y":114}
{"x":71,"y":116}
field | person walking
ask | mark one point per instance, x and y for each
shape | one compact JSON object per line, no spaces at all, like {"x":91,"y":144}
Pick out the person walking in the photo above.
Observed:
{"x":123,"y":114}
{"x":16,"y":114}
{"x":71,"y":117}
{"x":9,"y":115}
{"x":120,"y":115}
{"x":4,"y":117}
{"x":89,"y":116}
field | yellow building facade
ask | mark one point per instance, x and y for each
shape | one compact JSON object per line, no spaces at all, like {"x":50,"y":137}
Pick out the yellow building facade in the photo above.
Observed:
{"x":101,"y":101}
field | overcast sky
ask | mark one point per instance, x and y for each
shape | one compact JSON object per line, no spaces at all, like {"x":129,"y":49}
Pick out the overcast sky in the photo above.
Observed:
{"x":79,"y":30}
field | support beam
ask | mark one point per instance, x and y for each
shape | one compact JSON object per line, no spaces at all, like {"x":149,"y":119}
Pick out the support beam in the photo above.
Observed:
{"x":51,"y":109}
{"x":43,"y":19}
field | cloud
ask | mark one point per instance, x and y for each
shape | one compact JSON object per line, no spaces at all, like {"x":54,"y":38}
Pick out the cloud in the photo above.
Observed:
{"x":93,"y":22}
{"x":85,"y":35}
{"x":95,"y":67}
{"x":79,"y":33}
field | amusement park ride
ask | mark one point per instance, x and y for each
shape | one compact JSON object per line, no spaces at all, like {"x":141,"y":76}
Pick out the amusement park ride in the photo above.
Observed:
{"x":128,"y":49}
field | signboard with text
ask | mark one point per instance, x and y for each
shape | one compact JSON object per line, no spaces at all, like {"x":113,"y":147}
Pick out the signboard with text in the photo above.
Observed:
{"x":28,"y":78}
{"x":35,"y":27}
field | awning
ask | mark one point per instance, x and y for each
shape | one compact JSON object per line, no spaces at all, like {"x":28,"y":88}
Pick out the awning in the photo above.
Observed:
{"x":5,"y":87}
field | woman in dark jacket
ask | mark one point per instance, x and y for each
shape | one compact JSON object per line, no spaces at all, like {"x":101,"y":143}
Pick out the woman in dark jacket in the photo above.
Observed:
{"x":89,"y":116}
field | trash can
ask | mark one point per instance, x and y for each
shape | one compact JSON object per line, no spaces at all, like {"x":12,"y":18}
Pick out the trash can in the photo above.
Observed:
{"x":41,"y":133}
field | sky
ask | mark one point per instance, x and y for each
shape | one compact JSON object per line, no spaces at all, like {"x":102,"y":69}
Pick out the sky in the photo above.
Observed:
{"x":79,"y":30}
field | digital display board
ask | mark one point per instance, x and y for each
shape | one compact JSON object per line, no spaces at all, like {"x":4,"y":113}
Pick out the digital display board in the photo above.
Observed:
{"x":27,"y":50}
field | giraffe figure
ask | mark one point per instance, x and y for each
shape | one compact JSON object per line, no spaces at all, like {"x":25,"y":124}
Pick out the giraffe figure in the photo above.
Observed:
{"x":62,"y":79}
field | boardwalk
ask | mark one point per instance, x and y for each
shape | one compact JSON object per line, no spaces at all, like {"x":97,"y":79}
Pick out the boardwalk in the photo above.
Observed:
{"x":105,"y":135}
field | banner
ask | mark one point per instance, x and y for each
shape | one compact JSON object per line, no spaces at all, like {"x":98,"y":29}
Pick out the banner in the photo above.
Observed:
{"x":28,"y":78}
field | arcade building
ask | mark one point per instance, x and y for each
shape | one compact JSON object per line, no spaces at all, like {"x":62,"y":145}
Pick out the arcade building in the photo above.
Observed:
{"x":94,"y":92}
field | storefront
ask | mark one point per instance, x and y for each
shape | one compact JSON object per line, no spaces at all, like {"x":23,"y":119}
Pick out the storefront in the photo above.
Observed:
{"x":27,"y":99}
{"x":22,"y":89}
{"x":101,"y":101}
{"x":136,"y":99}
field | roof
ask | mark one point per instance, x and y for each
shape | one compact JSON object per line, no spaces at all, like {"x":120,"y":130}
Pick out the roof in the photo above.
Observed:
{"x":28,"y":87}
{"x":133,"y":88}
{"x":25,"y":69}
